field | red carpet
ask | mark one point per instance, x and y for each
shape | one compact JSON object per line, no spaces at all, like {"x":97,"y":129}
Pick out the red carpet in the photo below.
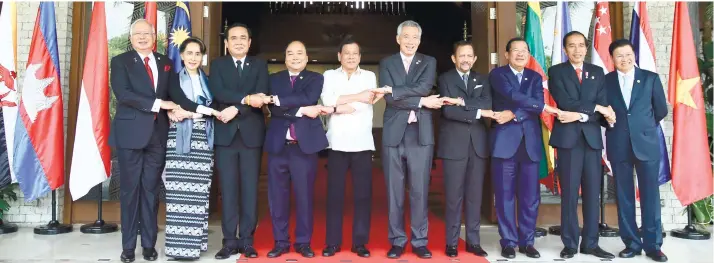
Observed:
{"x":379,"y":243}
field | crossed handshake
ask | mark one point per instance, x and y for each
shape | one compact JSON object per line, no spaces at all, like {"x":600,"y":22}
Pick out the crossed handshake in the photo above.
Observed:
{"x":568,"y":116}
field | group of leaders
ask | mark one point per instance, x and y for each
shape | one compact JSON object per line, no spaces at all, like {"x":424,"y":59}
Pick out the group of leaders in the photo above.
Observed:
{"x":190,"y":124}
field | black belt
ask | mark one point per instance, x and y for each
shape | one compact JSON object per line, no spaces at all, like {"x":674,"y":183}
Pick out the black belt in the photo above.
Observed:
{"x":290,"y":142}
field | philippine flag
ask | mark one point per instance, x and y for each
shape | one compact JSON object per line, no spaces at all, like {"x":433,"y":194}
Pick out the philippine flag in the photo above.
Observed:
{"x":39,"y":137}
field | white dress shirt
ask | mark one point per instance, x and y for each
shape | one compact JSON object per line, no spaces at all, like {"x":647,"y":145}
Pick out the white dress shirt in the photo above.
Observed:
{"x":154,"y":71}
{"x":461,"y":74}
{"x":627,"y":81}
{"x":351,"y":132}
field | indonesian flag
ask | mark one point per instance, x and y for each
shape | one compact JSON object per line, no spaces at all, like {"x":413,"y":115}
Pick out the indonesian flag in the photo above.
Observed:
{"x":91,"y":158}
{"x":602,"y":38}
{"x":150,"y":14}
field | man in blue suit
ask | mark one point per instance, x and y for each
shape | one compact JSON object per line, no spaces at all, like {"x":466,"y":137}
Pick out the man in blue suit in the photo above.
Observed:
{"x":516,"y":148}
{"x":293,"y":139}
{"x":638,"y":99}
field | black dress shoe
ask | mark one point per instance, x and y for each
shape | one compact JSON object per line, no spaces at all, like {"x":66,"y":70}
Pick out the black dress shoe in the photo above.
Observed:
{"x":629,"y":253}
{"x":278,"y":251}
{"x":568,"y":252}
{"x":530,"y":251}
{"x":127,"y":256}
{"x":598,"y":252}
{"x":361,"y":251}
{"x":305,"y":251}
{"x":451,"y":251}
{"x":476,"y":250}
{"x":508,"y":252}
{"x":330,"y":251}
{"x":248,"y":251}
{"x":422,"y":252}
{"x":150,"y":254}
{"x":657,"y":256}
{"x":226,"y":252}
{"x":395,"y":252}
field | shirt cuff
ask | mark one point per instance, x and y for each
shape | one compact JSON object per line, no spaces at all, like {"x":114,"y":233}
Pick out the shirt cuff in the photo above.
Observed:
{"x":242,"y":101}
{"x":584,"y":117}
{"x":276,"y":101}
{"x":157,"y":105}
{"x":420,"y":102}
{"x":204,"y":110}
{"x":478,"y":114}
{"x":298,"y":113}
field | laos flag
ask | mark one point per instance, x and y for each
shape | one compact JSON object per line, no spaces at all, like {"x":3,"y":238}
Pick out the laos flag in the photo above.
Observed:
{"x":39,"y":136}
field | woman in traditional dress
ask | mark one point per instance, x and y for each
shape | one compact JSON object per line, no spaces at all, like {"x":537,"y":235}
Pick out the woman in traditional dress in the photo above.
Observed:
{"x":189,"y":156}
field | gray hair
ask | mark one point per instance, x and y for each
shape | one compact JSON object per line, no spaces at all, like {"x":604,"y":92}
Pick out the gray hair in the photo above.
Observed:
{"x":408,"y":23}
{"x":140,"y":20}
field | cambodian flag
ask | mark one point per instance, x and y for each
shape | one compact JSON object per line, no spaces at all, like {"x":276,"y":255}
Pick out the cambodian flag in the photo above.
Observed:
{"x":39,"y":137}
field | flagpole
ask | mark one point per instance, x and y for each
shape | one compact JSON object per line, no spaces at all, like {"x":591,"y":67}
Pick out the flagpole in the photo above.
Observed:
{"x":53,"y":227}
{"x":605,"y":230}
{"x":689,"y":231}
{"x":99,"y":226}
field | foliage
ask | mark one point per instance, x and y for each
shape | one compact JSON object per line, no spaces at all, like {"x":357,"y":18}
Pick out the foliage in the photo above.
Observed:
{"x":7,"y":194}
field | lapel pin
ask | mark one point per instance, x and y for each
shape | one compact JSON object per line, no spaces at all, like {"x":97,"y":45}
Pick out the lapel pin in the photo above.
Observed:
{"x":135,"y":61}
{"x":525,"y":78}
{"x":300,"y":77}
{"x":158,"y":58}
{"x":638,"y":81}
{"x":593,"y":77}
{"x":474,"y":80}
{"x":247,"y":64}
{"x":418,"y":61}
{"x":586,"y":74}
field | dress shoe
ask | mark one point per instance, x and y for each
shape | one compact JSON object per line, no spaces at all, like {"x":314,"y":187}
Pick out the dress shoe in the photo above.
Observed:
{"x":395,"y":252}
{"x":127,"y":256}
{"x":150,"y":254}
{"x":361,"y":251}
{"x":330,"y":251}
{"x":568,"y":252}
{"x":629,"y":253}
{"x":598,"y":252}
{"x":657,"y":256}
{"x":508,"y":252}
{"x":451,"y":251}
{"x":422,"y":252}
{"x":278,"y":251}
{"x":530,"y":251}
{"x":248,"y":251}
{"x":226,"y":252}
{"x":476,"y":250}
{"x":305,"y":251}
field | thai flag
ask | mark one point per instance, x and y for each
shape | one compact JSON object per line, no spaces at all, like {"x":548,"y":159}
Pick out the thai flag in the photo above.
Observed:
{"x":643,"y":43}
{"x":39,"y":137}
{"x":91,"y":157}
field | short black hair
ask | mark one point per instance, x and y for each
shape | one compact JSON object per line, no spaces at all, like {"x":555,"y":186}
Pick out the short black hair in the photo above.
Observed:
{"x":462,"y":43}
{"x":572,"y":33}
{"x":234,"y":25}
{"x":298,"y":41}
{"x":619,"y":43}
{"x":349,"y":41}
{"x":190,"y":40}
{"x":516,"y":39}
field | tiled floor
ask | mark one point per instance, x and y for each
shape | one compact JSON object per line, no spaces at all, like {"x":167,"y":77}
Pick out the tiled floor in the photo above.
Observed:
{"x":24,"y":246}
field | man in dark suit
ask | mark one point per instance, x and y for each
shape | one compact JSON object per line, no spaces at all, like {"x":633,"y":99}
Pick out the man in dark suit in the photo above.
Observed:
{"x":294,"y":138}
{"x":408,"y":137}
{"x":463,"y":145}
{"x":579,"y":90}
{"x":139,"y":80}
{"x":239,"y":137}
{"x":637,"y":97}
{"x":516,"y":148}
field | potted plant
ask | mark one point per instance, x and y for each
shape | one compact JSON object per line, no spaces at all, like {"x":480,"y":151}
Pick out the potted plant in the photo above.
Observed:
{"x":7,"y":194}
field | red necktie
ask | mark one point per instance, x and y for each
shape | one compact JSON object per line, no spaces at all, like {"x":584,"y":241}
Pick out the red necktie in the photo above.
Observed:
{"x":579,"y":72}
{"x":151,"y":75}
{"x":292,"y":126}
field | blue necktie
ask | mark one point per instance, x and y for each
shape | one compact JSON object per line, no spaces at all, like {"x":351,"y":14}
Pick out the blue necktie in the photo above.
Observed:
{"x":465,"y":77}
{"x":519,"y":76}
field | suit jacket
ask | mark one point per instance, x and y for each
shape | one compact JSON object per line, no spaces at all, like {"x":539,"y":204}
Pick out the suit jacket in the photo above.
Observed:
{"x":458,"y":123}
{"x":525,"y":100}
{"x":638,"y":124}
{"x":133,"y":122}
{"x":228,"y":90}
{"x":305,"y":92}
{"x":407,"y":90}
{"x":570,"y":95}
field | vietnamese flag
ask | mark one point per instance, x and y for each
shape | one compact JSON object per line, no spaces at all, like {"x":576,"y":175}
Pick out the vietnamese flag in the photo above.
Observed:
{"x":691,"y":166}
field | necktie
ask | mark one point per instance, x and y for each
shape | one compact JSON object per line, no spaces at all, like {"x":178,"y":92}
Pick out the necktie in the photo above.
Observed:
{"x":579,"y":73}
{"x":412,"y":115}
{"x":519,"y":76}
{"x":407,"y":63}
{"x":239,"y":68}
{"x":292,"y":126}
{"x":465,"y":77}
{"x":148,"y":70}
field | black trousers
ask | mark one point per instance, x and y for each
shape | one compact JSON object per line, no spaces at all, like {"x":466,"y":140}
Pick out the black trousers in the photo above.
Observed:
{"x":360,"y":164}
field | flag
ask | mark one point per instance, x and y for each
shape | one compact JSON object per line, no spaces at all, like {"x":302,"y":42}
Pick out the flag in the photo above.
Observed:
{"x":8,"y":90}
{"x":91,"y":158}
{"x":180,"y":31}
{"x":534,"y":39}
{"x":39,"y":136}
{"x":600,"y":56}
{"x":150,"y":14}
{"x":643,"y":45}
{"x":562,"y":27}
{"x":691,"y":166}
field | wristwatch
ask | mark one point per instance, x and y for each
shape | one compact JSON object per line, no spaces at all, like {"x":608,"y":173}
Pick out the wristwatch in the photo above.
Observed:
{"x":334,"y":109}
